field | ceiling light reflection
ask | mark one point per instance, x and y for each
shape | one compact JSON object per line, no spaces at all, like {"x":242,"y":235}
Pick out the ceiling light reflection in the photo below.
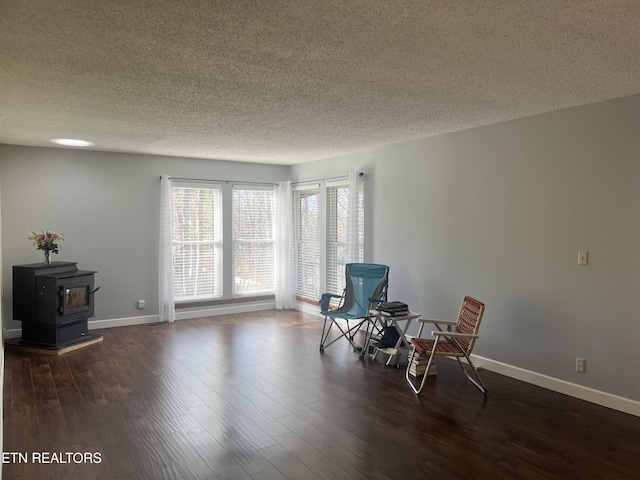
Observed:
{"x":71,"y":142}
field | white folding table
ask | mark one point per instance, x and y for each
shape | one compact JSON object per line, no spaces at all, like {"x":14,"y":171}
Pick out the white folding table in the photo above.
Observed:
{"x":401,"y":324}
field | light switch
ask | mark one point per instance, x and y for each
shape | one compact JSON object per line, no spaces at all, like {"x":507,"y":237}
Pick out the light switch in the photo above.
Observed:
{"x":583,"y":257}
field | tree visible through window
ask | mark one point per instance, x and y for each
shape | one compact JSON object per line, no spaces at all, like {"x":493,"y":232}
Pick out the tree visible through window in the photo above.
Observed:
{"x":253,"y":248}
{"x":323,"y":221}
{"x":197,"y":242}
{"x":319,"y":270}
{"x":307,"y":243}
{"x":337,"y":198}
{"x":337,"y":217}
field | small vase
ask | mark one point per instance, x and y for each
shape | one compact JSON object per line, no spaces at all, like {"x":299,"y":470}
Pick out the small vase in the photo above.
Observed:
{"x":47,"y":257}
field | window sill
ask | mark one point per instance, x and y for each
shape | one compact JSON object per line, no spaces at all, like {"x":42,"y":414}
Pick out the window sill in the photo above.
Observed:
{"x":221,"y":301}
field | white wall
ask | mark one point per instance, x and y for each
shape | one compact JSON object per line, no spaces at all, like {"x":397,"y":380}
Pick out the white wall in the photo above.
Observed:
{"x":499,"y":213}
{"x":107,"y":207}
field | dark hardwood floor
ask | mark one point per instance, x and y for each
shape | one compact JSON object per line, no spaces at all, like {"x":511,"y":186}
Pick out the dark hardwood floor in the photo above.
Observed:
{"x":251,"y":397}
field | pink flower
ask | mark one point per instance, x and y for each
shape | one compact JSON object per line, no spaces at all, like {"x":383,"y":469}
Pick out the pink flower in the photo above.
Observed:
{"x":45,"y":241}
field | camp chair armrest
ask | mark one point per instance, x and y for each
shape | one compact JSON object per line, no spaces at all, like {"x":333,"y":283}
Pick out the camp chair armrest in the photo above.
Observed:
{"x":437,"y":333}
{"x":326,"y":298}
{"x":437,"y":323}
{"x":442,"y":322}
{"x":331,"y":295}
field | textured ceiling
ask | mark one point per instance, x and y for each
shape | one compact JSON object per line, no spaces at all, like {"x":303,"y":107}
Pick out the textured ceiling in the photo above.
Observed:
{"x":285,"y":82}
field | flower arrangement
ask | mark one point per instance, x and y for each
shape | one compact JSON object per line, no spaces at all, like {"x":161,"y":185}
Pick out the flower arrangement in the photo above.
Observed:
{"x":47,"y":241}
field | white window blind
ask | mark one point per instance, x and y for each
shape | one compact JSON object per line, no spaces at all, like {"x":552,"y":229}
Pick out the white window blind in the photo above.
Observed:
{"x":337,"y":217}
{"x":307,"y":243}
{"x":337,"y":197}
{"x":197,"y":242}
{"x":253,"y":241}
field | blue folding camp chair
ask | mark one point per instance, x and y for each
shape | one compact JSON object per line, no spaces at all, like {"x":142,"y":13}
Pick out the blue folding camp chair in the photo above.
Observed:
{"x":365,"y":286}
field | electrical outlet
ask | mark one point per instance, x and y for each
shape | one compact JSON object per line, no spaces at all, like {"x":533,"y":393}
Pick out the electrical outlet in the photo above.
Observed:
{"x":581,"y":365}
{"x":141,"y":304}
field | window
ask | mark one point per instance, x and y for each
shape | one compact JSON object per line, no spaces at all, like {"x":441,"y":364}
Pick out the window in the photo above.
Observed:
{"x":337,"y":198}
{"x":197,"y":242}
{"x":223,"y":253}
{"x":337,"y":217}
{"x":307,"y":243}
{"x":322,"y":237}
{"x":253,"y":247}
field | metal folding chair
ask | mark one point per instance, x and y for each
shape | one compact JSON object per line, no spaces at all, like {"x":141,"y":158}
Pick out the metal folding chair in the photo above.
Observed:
{"x":365,"y":286}
{"x":456,"y":343}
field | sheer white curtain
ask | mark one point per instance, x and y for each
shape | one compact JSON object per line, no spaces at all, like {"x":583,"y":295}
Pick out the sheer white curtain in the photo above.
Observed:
{"x":167,"y":312}
{"x":284,"y":262}
{"x":353,"y":252}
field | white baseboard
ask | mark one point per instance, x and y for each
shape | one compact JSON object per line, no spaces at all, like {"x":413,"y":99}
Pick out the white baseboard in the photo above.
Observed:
{"x":186,"y":313}
{"x":561,"y":386}
{"x":96,"y":324}
{"x":308,"y":308}
{"x":122,"y":322}
{"x":12,"y":333}
{"x":182,"y":314}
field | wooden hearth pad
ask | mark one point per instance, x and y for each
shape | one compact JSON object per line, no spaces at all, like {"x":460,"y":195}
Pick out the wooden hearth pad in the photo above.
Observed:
{"x":16,"y":344}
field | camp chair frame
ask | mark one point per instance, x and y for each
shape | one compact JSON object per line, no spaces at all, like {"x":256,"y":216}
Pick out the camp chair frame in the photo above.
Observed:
{"x":365,"y":286}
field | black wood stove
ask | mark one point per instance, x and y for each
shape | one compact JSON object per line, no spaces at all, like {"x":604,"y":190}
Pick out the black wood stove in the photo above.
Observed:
{"x":53,"y":302}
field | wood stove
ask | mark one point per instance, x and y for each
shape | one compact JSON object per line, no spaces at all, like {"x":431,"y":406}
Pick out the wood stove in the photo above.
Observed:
{"x":53,"y":302}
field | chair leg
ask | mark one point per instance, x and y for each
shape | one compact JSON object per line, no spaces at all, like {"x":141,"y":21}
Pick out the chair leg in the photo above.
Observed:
{"x":323,"y":337}
{"x":426,"y":373}
{"x":477,"y":381}
{"x":367,"y":339}
{"x":348,"y":333}
{"x":351,"y":332}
